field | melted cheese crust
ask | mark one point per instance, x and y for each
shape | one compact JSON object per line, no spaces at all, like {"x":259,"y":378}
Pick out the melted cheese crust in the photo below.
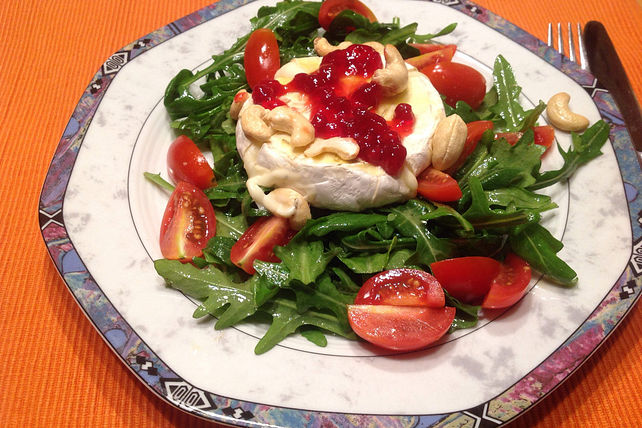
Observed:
{"x":326,"y":181}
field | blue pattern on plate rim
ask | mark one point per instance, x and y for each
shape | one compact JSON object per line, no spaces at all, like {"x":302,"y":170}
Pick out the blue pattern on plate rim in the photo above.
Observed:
{"x":169,"y":386}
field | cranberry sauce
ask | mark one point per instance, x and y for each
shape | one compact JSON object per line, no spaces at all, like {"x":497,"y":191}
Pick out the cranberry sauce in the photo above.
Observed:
{"x":343,"y":103}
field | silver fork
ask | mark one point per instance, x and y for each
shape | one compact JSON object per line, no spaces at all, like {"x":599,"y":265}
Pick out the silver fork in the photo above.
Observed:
{"x":583,"y":62}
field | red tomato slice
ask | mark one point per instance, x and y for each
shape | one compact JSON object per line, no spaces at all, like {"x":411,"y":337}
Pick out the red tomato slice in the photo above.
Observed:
{"x":185,"y":162}
{"x":475,"y":130}
{"x":445,"y":53}
{"x":331,"y":8}
{"x":259,"y":240}
{"x":402,"y":287}
{"x":466,"y":278}
{"x":437,"y":186}
{"x":427,"y":47}
{"x":457,"y":82}
{"x":511,"y":137}
{"x":261,"y":58}
{"x":543,"y":135}
{"x":188,"y":223}
{"x":400,"y":328}
{"x":510,"y":283}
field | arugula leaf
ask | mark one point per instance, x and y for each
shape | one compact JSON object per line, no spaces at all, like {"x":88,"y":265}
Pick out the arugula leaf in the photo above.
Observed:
{"x":539,"y":248}
{"x":371,"y":240}
{"x":273,"y":276}
{"x":286,"y":320}
{"x":345,"y":282}
{"x":399,"y":259}
{"x":369,"y":263}
{"x":215,"y":287}
{"x":345,"y":222}
{"x":324,"y":295}
{"x":305,"y":260}
{"x":353,"y":27}
{"x":443,"y":211}
{"x":480,"y":214}
{"x":158,"y":180}
{"x":197,"y":283}
{"x":497,"y":164}
{"x":585,"y":147}
{"x":407,"y":219}
{"x":230,"y":226}
{"x":466,"y":316}
{"x":463,"y":110}
{"x":531,"y":116}
{"x":218,"y":250}
{"x":315,"y":336}
{"x":514,"y":206}
{"x":507,"y":106}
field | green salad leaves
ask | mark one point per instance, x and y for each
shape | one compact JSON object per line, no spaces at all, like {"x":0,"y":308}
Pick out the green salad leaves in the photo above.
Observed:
{"x":323,"y":266}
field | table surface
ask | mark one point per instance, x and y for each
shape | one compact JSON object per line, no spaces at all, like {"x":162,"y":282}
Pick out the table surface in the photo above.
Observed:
{"x":58,"y":371}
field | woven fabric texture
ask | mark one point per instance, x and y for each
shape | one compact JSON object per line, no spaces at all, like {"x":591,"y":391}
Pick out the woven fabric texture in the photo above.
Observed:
{"x":57,"y":371}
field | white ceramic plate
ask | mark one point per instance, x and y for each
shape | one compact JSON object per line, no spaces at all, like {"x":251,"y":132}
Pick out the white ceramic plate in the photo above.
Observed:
{"x":100,"y":219}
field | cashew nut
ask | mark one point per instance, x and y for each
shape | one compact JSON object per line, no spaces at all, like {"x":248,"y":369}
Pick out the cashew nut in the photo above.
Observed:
{"x":393,"y":79}
{"x":561,"y":115}
{"x":323,"y":47}
{"x":376,"y":46}
{"x":285,"y":119}
{"x":448,"y":141}
{"x":239,"y":99}
{"x":254,"y":125}
{"x":290,"y":204}
{"x":345,"y":148}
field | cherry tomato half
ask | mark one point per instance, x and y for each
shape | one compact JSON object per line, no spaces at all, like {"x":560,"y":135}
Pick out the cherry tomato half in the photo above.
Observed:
{"x":261,"y":58}
{"x":542,"y":135}
{"x":259,"y":240}
{"x":188,"y":223}
{"x":466,"y":278}
{"x":457,"y":82}
{"x":185,"y":162}
{"x":437,"y":186}
{"x":444,"y":53}
{"x":331,"y":8}
{"x":400,"y":328}
{"x":510,"y":283}
{"x":402,"y":287}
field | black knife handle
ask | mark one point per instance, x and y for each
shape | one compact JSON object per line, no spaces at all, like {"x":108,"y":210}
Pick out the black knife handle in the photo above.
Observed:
{"x":607,"y":68}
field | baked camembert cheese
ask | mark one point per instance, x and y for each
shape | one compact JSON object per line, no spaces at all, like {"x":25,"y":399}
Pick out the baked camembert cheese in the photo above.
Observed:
{"x":282,"y":150}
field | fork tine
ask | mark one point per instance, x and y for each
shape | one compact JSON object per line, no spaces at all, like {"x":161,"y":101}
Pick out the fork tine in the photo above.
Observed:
{"x":581,"y":48}
{"x":571,"y":44}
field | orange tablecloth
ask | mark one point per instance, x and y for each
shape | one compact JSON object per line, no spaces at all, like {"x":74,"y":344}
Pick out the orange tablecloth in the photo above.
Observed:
{"x":56,"y":370}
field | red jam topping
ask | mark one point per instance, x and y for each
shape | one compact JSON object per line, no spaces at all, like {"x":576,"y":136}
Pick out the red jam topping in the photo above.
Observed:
{"x":343,"y":101}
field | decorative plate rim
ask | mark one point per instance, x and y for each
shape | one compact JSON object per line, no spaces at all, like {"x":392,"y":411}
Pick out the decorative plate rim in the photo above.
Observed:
{"x":169,"y":386}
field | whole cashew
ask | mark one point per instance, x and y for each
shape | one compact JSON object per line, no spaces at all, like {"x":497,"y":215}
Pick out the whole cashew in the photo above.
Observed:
{"x":394,"y":77}
{"x":254,"y":125}
{"x":448,"y":141}
{"x":290,"y":204}
{"x":561,"y":115}
{"x":323,"y":47}
{"x":345,"y":148}
{"x":285,"y":119}
{"x":239,"y":99}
